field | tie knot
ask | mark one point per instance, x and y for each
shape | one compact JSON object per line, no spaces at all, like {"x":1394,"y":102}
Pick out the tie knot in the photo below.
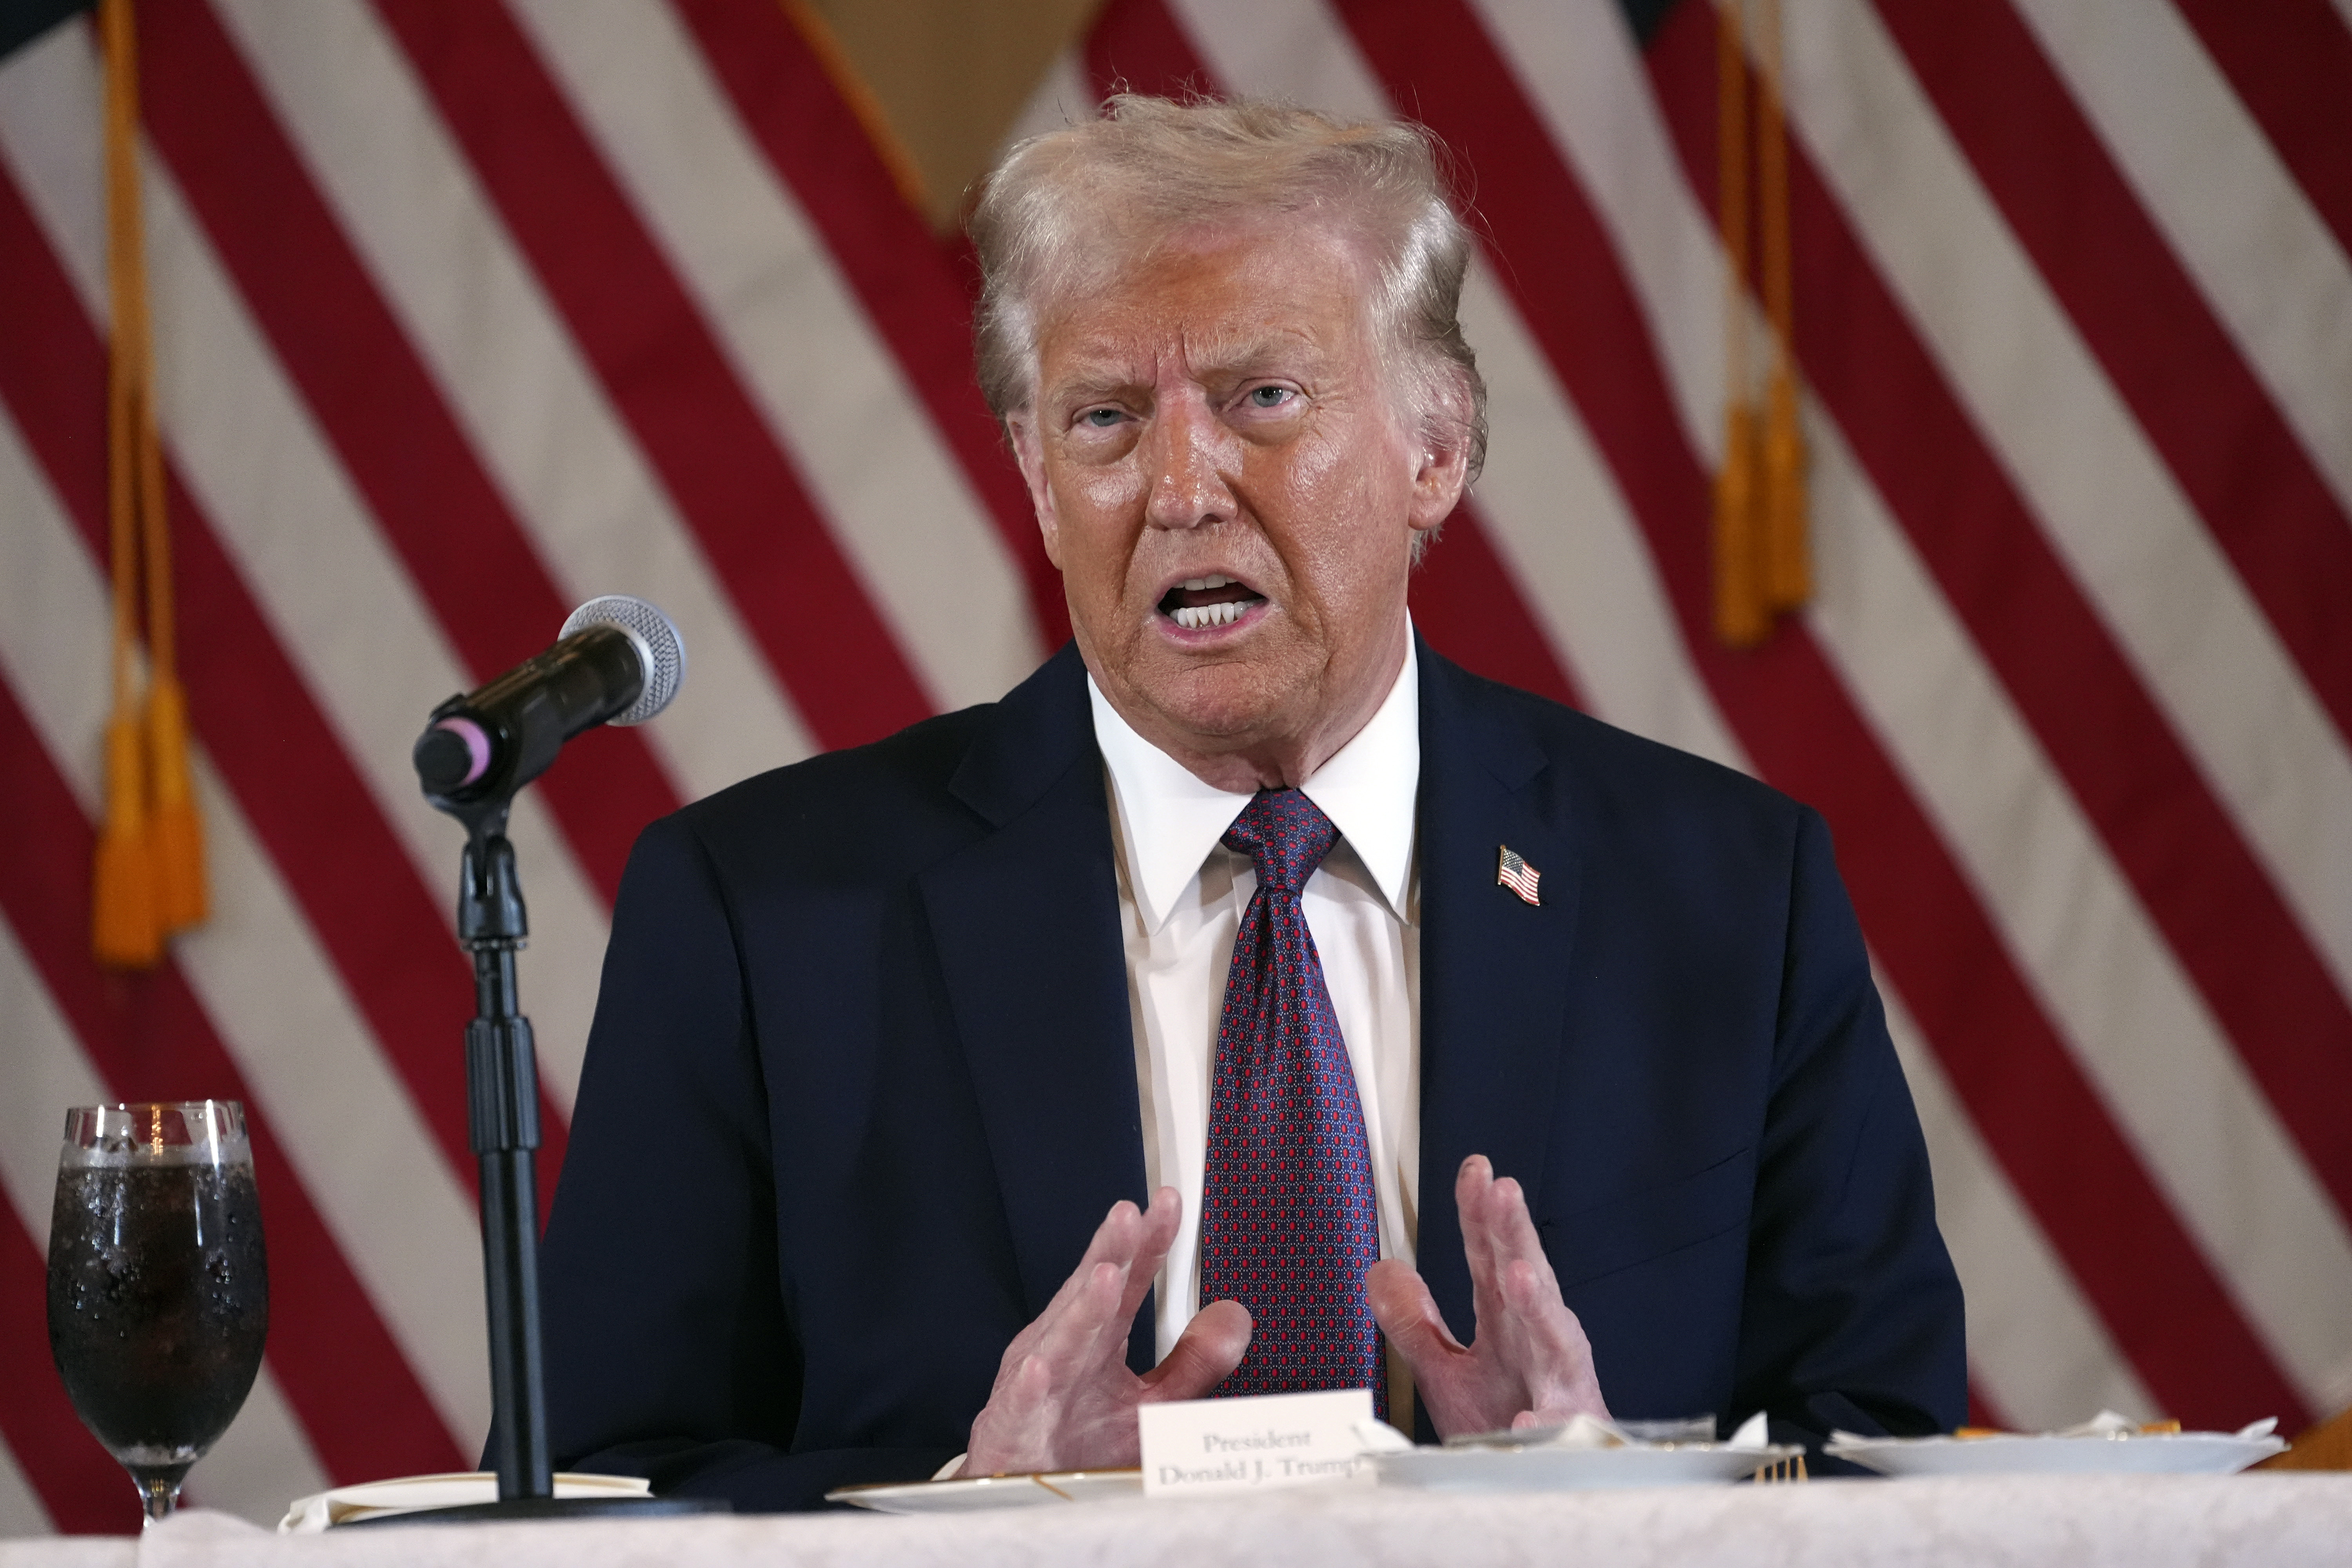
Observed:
{"x":1285,"y":835}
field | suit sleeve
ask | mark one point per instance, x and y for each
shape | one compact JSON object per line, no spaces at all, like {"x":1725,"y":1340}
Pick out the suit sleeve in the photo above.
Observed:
{"x":1852,"y":1316}
{"x":670,"y":1353}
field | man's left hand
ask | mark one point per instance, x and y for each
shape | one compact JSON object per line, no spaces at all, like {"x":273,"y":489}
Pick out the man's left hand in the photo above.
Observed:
{"x":1529,"y":1364}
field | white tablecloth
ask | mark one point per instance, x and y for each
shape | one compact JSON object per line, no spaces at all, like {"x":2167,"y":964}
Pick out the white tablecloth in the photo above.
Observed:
{"x":2275,"y":1520}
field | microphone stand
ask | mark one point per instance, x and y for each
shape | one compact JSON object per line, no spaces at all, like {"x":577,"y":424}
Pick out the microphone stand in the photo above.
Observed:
{"x":502,"y":1112}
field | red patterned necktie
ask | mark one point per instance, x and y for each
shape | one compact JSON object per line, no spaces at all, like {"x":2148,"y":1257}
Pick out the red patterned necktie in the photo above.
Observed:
{"x":1289,"y":1222}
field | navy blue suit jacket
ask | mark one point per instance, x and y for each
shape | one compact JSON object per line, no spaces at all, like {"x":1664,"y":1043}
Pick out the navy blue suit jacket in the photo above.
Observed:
{"x":862,"y":1084}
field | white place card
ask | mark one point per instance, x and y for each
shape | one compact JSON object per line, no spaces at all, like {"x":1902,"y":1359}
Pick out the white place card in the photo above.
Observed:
{"x":1202,"y":1447}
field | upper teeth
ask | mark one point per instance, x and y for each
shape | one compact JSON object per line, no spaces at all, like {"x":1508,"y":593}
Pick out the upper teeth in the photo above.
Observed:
{"x":1193,"y":617}
{"x":1197,"y":584}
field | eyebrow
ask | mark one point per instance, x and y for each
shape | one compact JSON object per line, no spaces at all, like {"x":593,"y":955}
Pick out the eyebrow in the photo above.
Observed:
{"x":1104,"y":375}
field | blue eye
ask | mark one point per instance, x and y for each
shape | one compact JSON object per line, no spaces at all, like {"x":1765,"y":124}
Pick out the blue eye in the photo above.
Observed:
{"x":1270,"y":397}
{"x":1100,"y":418}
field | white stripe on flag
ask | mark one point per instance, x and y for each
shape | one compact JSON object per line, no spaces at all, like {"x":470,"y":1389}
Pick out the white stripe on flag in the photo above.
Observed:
{"x":2104,"y":498}
{"x":48,"y":1074}
{"x":2039,"y":1352}
{"x":2213,"y":185}
{"x":923,"y":542}
{"x":1064,"y":98}
{"x":598,"y":518}
{"x":21,"y":1513}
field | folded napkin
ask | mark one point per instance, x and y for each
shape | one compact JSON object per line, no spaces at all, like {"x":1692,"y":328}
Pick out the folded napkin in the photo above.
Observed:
{"x":406,"y":1494}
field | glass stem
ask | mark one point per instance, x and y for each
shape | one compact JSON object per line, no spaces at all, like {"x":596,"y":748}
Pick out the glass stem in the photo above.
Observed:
{"x":160,"y":1495}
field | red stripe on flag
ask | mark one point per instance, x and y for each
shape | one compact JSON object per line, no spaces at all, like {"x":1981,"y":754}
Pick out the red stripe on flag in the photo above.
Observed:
{"x":86,"y":1492}
{"x":903,"y":275}
{"x":149,"y":1038}
{"x":2291,"y":62}
{"x":2219,"y":913}
{"x":305,"y":801}
{"x":667,"y":375}
{"x":2023,"y":1089}
{"x":2044,"y":166}
{"x":1138,"y":46}
{"x":374,"y":400}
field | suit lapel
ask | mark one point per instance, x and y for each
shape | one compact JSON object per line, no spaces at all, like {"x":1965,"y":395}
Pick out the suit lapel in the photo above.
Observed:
{"x":1494,"y":970}
{"x":1025,"y":922}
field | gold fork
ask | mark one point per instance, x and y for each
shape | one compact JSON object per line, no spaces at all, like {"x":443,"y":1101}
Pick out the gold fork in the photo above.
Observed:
{"x":1782,"y":1470}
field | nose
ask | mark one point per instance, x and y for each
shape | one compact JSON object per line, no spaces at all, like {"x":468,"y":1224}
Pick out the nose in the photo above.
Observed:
{"x":1188,"y":453}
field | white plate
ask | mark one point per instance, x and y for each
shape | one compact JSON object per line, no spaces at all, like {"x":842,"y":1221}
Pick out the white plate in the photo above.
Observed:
{"x":2143,"y":1453}
{"x":969,"y":1493}
{"x":1540,"y":1469}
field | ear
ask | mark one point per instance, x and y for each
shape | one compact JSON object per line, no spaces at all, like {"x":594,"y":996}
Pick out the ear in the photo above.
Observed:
{"x":1029,"y":451}
{"x":1444,"y":469}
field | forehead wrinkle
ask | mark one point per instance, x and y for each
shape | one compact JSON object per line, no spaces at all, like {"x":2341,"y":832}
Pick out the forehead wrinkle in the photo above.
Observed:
{"x":1222,"y":350}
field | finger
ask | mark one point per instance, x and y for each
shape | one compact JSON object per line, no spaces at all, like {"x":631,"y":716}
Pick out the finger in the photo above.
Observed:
{"x":1154,"y":1237}
{"x":1549,"y":1346}
{"x":1203,"y":1355}
{"x":1113,"y":1242}
{"x":1470,"y":1184}
{"x":1072,"y":1344}
{"x":1474,"y":1191}
{"x":1511,"y":1229}
{"x":1450,"y":1381}
{"x":1408,"y":1314}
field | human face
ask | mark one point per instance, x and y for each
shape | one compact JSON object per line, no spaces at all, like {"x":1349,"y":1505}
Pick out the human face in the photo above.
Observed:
{"x":1231,"y":486}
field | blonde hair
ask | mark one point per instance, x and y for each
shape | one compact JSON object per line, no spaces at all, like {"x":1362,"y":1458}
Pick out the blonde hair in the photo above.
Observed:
{"x":1151,"y":168}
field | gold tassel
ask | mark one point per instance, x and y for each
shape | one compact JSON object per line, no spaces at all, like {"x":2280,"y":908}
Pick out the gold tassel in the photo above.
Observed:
{"x":148,"y":879}
{"x":1786,"y":577}
{"x":175,"y":840}
{"x":1741,"y":616}
{"x":124,"y":932}
{"x":177,"y":844}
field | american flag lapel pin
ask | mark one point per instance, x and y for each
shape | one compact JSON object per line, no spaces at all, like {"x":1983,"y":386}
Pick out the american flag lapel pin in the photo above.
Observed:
{"x":1513,"y":873}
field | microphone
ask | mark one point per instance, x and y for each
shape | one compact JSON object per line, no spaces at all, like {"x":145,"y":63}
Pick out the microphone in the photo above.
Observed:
{"x":618,"y":660}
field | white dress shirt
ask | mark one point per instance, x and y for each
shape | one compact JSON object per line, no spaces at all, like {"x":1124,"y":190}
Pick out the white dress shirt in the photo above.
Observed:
{"x":1181,"y":897}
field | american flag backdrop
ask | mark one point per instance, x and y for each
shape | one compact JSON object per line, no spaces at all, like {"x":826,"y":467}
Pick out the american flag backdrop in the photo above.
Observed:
{"x":468,"y":310}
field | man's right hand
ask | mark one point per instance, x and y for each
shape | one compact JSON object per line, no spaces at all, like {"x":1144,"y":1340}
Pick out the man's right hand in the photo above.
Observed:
{"x":1064,"y":1399}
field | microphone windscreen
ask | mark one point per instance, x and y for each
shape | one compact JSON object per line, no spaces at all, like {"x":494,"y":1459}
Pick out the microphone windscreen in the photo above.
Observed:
{"x":659,"y":647}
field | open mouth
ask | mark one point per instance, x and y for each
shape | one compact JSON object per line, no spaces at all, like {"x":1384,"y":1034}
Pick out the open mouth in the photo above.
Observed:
{"x":1199,"y":603}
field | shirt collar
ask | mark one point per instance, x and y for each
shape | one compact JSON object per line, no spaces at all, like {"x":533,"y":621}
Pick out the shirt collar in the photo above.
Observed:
{"x":1169,"y":819}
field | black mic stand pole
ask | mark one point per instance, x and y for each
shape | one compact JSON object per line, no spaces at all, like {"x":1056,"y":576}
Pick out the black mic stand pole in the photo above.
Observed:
{"x":502,"y":1114}
{"x":502,"y":1110}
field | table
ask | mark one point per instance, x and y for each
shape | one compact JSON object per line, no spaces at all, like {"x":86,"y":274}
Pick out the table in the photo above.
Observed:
{"x":2275,"y":1521}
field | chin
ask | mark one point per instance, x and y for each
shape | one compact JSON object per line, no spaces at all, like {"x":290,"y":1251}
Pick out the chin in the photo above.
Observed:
{"x":1222,"y":705}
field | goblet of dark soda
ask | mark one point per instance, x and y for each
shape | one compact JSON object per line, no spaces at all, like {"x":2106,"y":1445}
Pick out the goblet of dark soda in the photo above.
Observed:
{"x":159,"y":1285}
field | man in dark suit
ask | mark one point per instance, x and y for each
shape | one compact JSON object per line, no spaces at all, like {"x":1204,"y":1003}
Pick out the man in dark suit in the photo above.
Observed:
{"x":950,"y":1097}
